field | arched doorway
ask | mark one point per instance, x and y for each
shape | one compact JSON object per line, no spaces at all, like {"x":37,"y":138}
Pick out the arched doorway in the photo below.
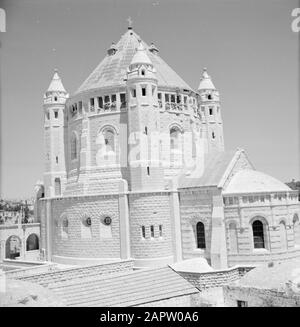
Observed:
{"x":13,"y":247}
{"x":32,"y":242}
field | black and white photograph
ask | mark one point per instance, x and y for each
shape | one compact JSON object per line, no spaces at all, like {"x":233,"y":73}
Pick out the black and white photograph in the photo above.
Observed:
{"x":149,"y":157}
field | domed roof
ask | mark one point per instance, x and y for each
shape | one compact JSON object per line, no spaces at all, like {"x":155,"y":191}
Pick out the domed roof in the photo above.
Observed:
{"x":252,"y":181}
{"x":111,"y":71}
{"x":206,"y":82}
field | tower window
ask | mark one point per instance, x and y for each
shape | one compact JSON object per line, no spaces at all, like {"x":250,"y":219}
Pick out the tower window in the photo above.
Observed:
{"x":55,"y":99}
{"x":148,"y":171}
{"x":56,"y":159}
{"x":210,"y":111}
{"x":146,"y":130}
{"x":143,"y":91}
{"x":152,"y":230}
{"x":100,"y":102}
{"x":92,"y":103}
{"x":200,"y":230}
{"x":106,"y":99}
{"x":74,"y":145}
{"x":209,"y":96}
{"x":109,"y":140}
{"x":143,"y":232}
{"x":143,"y":72}
{"x":56,"y":114}
{"x":153,"y":90}
{"x":133,"y":93}
{"x":80,"y":106}
{"x":123,"y":99}
{"x":57,"y":186}
{"x":213,"y":135}
{"x":258,"y":234}
{"x":160,"y":230}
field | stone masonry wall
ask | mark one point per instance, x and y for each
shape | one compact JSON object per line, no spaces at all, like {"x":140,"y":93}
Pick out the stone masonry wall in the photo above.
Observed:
{"x":145,"y":210}
{"x":96,"y":241}
{"x":242,"y":217}
{"x":195,"y":206}
{"x":259,"y":297}
{"x":215,"y":278}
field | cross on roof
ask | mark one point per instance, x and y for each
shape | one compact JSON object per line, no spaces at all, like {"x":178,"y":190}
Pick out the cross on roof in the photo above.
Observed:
{"x":129,"y":20}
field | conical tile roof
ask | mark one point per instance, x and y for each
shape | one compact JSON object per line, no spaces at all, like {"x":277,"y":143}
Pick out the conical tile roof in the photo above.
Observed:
{"x":141,"y":57}
{"x":111,"y":71}
{"x":56,"y":84}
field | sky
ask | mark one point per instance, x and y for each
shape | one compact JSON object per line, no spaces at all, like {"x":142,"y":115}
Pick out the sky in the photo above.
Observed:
{"x":247,"y":46}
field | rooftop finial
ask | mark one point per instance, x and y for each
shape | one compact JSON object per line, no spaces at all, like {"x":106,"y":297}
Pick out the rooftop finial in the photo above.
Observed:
{"x":129,"y":20}
{"x":205,"y":74}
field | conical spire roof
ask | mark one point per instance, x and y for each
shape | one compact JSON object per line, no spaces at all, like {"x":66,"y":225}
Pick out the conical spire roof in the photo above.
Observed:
{"x":56,"y":84}
{"x":111,"y":72}
{"x":140,"y":56}
{"x":206,"y":82}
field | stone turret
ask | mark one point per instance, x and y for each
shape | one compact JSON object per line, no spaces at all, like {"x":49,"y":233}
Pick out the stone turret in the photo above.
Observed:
{"x":143,"y":123}
{"x":211,"y":110}
{"x":54,"y":123}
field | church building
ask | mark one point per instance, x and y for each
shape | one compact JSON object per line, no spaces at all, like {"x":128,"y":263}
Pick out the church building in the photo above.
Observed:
{"x":136,"y":168}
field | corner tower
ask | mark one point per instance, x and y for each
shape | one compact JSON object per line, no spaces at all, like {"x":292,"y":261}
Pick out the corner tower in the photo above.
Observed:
{"x":211,"y":109}
{"x":146,"y":172}
{"x":54,"y":123}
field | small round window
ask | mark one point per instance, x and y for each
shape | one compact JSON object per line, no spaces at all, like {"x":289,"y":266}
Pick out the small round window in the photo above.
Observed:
{"x":107,"y":221}
{"x":88,"y":221}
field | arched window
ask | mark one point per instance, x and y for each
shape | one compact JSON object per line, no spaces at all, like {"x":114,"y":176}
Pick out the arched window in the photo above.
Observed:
{"x":74,"y":147}
{"x":57,"y":186}
{"x":283,"y":236}
{"x":296,"y":225}
{"x":13,"y":247}
{"x":200,"y":230}
{"x":233,"y":239}
{"x":64,"y":226}
{"x":32,"y":242}
{"x":109,"y":140}
{"x":143,"y":232}
{"x":175,"y":146}
{"x":258,"y":234}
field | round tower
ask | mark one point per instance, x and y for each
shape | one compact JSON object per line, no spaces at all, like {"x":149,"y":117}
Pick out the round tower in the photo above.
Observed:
{"x":150,"y":218}
{"x":54,"y":122}
{"x":211,"y":110}
{"x":146,"y":172}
